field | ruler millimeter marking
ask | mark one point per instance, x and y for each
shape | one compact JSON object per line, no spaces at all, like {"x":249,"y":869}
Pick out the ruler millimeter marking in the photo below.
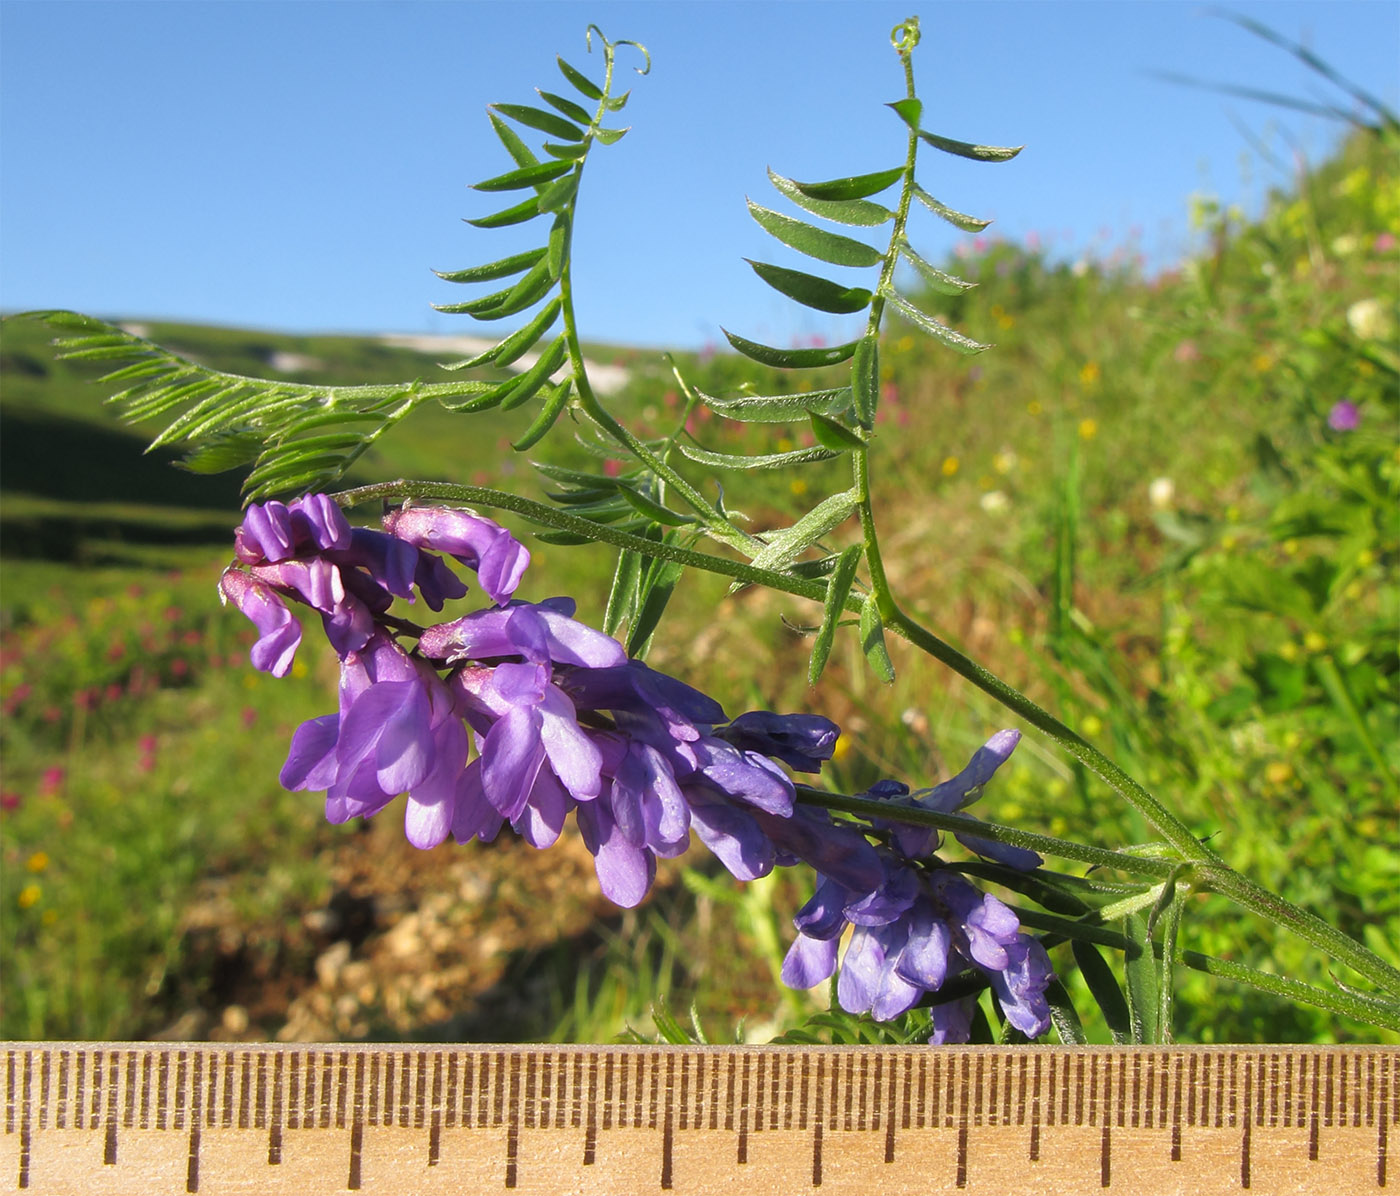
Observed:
{"x":126,"y":1117}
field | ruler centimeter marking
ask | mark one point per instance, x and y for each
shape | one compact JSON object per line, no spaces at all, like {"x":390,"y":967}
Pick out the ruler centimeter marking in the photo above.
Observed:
{"x":1311,"y":1109}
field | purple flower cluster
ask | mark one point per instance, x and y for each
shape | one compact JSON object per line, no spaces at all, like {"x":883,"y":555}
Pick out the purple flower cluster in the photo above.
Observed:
{"x":923,"y":922}
{"x":562,"y":721}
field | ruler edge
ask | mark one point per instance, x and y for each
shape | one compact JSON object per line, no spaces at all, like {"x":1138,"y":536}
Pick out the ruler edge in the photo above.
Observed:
{"x":511,"y":1113}
{"x":496,"y":1048}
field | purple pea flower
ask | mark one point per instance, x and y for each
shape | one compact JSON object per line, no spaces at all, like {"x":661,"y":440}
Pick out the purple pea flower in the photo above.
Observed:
{"x":499,"y":559}
{"x":279,"y":631}
{"x":527,"y":722}
{"x":273,"y":532}
{"x":398,"y":730}
{"x":957,"y":793}
{"x":542,"y":632}
{"x":801,"y":741}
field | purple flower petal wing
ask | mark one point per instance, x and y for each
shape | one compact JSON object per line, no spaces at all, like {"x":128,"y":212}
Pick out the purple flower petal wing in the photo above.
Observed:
{"x":541,"y":822}
{"x":924,"y":960}
{"x":364,"y":722}
{"x":279,"y":630}
{"x":407,"y":751}
{"x":311,"y":760}
{"x":1020,"y":858}
{"x":572,"y":754}
{"x":265,"y":534}
{"x":745,"y":776}
{"x":317,"y":520}
{"x":839,"y":852}
{"x":1020,"y":986}
{"x":809,"y":962}
{"x":801,"y":741}
{"x":624,"y":872}
{"x":861,"y":968}
{"x":511,"y":758}
{"x":889,"y":901}
{"x":499,"y":559}
{"x":665,"y":814}
{"x":429,"y":811}
{"x":823,"y":917}
{"x":952,"y":1021}
{"x":735,"y":839}
{"x":473,"y":817}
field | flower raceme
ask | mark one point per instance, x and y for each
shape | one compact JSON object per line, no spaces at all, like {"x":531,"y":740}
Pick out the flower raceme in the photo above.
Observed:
{"x":562,"y":722}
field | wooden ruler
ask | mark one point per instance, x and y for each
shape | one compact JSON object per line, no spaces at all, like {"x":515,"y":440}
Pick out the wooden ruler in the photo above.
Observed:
{"x":151,"y":1119}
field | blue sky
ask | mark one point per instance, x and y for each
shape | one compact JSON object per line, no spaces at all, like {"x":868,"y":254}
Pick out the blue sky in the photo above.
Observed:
{"x":303,"y":166}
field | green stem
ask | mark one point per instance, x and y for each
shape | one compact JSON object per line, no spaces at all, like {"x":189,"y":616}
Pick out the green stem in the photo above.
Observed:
{"x":1365,"y":1009}
{"x":860,"y":458}
{"x":872,"y":808}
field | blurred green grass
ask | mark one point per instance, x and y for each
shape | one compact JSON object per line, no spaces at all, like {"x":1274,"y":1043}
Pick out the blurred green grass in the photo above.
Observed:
{"x":1232,"y":646}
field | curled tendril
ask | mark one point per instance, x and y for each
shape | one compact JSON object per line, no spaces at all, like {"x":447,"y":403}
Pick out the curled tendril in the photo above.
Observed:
{"x":609,"y":47}
{"x":904,"y":36}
